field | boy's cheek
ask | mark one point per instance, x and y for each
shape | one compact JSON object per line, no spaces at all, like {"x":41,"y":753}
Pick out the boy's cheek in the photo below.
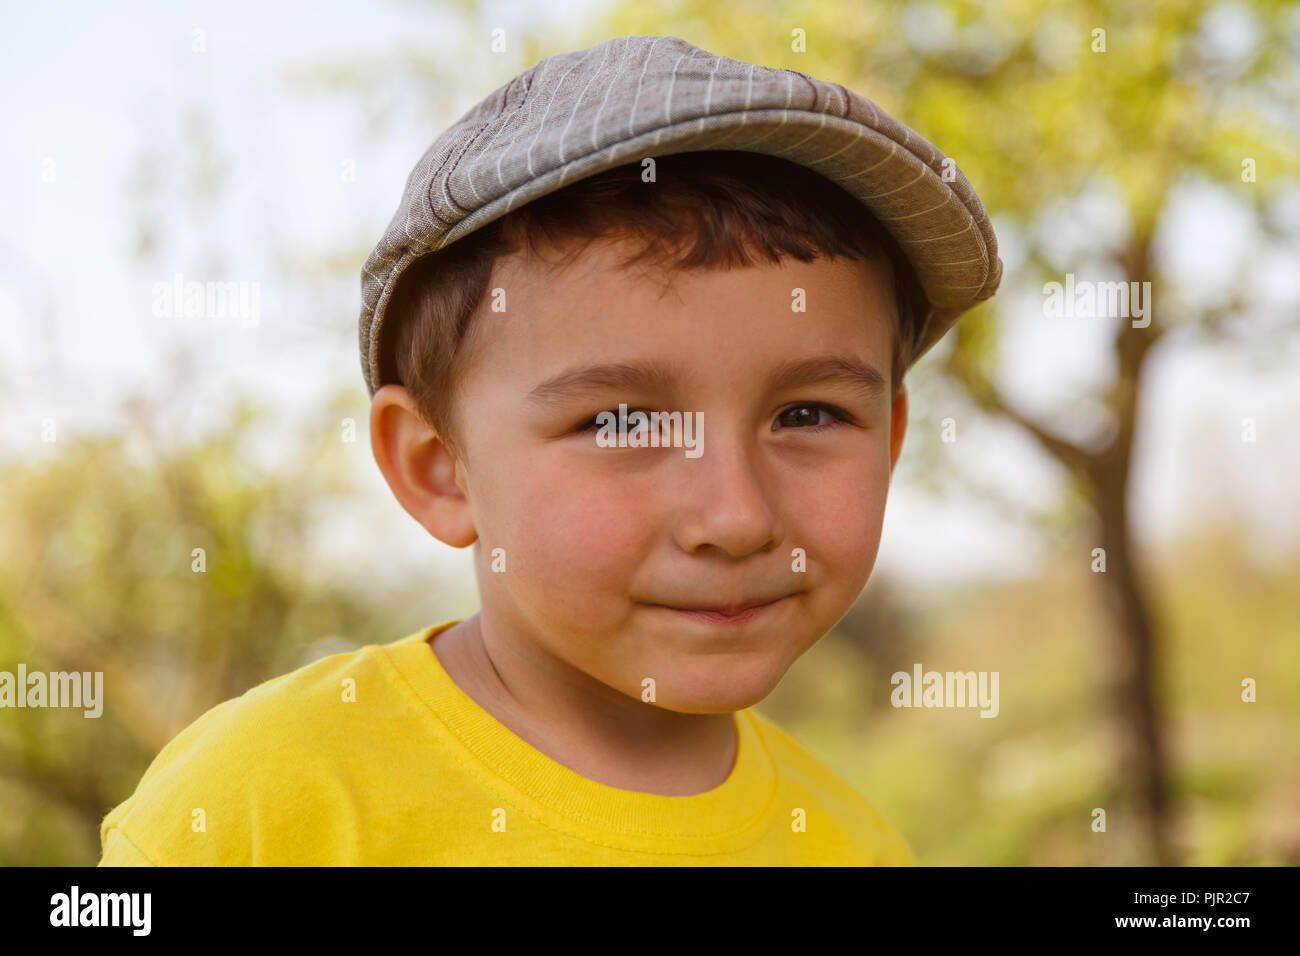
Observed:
{"x":579,"y":536}
{"x":839,"y":527}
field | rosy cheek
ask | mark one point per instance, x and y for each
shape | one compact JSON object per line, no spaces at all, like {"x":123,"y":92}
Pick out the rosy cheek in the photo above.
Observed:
{"x":579,"y":532}
{"x":842,"y":520}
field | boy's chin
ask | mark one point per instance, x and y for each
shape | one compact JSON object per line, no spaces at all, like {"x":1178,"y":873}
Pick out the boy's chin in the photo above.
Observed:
{"x":713,"y":706}
{"x":726,"y":697}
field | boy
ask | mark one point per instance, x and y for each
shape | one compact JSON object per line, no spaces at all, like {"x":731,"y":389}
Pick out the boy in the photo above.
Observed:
{"x":636,"y":335}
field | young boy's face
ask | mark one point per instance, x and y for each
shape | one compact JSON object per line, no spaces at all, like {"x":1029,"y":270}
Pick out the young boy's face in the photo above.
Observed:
{"x":602,"y":546}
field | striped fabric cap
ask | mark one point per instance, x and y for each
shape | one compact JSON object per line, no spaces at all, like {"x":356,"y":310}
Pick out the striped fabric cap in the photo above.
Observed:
{"x":573,"y":115}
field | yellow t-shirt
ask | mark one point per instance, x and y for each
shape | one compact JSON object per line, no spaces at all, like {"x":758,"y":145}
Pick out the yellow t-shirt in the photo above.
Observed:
{"x":413,"y":772}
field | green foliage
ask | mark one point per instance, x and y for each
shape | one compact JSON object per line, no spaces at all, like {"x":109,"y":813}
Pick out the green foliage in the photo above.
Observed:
{"x":97,"y":573}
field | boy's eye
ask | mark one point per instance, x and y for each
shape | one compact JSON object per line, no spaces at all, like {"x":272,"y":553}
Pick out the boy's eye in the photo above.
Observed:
{"x":591,"y":424}
{"x":803,"y":417}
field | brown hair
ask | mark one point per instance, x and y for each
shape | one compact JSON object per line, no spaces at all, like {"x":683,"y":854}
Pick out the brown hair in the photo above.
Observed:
{"x":729,"y":202}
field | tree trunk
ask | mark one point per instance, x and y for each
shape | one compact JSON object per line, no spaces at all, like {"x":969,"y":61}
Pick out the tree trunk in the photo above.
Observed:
{"x":1129,"y":650}
{"x":1131,"y":665}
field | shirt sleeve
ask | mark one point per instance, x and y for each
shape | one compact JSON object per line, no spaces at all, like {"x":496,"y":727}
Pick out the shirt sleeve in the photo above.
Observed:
{"x":120,"y":851}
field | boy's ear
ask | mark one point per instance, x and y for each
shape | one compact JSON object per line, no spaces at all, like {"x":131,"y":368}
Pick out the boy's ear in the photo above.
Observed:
{"x":425,"y":477}
{"x":897,"y":426}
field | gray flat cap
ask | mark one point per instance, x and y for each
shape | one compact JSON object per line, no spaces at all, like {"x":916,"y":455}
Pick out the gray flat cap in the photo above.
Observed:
{"x":573,"y":115}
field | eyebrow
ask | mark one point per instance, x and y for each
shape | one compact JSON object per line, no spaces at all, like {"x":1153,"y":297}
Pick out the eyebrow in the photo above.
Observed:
{"x":649,"y":375}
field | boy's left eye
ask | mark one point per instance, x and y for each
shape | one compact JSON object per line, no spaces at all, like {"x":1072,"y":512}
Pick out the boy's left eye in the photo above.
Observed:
{"x":808,"y":411}
{"x":838,"y":415}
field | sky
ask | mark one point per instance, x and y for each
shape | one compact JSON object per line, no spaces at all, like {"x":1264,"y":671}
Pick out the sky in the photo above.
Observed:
{"x":89,"y":93}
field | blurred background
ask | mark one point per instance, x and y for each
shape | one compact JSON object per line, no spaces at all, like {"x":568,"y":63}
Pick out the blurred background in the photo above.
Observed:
{"x":266,"y":146}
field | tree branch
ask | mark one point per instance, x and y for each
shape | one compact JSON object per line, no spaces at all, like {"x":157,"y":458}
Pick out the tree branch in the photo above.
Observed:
{"x":989,"y":399}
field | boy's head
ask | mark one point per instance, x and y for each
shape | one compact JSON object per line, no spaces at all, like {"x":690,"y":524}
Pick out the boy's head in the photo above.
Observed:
{"x":751,"y":295}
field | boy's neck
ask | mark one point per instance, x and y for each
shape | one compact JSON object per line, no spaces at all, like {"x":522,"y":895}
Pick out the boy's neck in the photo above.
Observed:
{"x":587,"y":726}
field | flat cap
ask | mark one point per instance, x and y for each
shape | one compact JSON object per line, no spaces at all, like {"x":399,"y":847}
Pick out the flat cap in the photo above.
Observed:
{"x":573,"y":115}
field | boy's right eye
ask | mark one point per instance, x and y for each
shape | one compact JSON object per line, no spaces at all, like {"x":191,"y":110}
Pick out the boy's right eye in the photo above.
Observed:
{"x":591,"y":424}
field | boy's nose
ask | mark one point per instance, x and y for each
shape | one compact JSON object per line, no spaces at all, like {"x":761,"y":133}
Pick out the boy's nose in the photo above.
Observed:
{"x":726,"y":503}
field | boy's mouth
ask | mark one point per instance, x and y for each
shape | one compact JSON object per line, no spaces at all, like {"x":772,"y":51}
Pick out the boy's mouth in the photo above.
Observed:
{"x":737,"y":613}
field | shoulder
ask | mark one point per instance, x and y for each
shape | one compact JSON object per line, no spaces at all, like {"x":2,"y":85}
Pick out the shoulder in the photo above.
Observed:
{"x":267,"y":761}
{"x":809,"y":778}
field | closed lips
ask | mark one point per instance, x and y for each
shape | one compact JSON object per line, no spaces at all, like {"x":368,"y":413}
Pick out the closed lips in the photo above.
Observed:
{"x":730,"y":609}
